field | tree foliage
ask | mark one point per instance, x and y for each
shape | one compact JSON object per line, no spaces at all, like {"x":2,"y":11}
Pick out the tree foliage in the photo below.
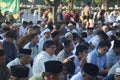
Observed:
{"x":98,"y":2}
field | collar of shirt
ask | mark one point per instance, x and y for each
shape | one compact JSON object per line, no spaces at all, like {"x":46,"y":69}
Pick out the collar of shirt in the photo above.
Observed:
{"x":67,"y":54}
{"x":46,"y":54}
{"x":113,"y":52}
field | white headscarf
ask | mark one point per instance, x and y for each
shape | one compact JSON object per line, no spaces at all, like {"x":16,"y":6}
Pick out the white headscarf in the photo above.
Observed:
{"x":111,"y":17}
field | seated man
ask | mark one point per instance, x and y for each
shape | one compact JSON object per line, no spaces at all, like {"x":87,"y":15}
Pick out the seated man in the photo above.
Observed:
{"x":47,"y":54}
{"x":23,"y":59}
{"x":53,"y":71}
{"x":98,"y":57}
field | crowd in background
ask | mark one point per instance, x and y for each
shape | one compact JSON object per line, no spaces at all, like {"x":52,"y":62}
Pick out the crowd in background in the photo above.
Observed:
{"x":80,"y":45}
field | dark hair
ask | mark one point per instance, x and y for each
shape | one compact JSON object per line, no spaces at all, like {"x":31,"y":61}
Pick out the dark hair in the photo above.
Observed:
{"x":102,"y":12}
{"x":67,"y":43}
{"x":48,"y":44}
{"x":80,"y":48}
{"x":118,"y":34}
{"x":48,"y":74}
{"x":30,"y":22}
{"x":36,"y":27}
{"x":57,"y":26}
{"x":10,"y":34}
{"x":73,"y":23}
{"x":25,"y":22}
{"x":2,"y":53}
{"x":31,"y":36}
{"x":116,"y":44}
{"x":39,"y":22}
{"x":50,"y":25}
{"x":76,"y":36}
{"x":104,"y":43}
{"x":112,"y":37}
{"x":29,"y":28}
{"x":103,"y":34}
{"x":70,"y":66}
{"x":6,"y":29}
{"x":83,"y":35}
{"x":8,"y":23}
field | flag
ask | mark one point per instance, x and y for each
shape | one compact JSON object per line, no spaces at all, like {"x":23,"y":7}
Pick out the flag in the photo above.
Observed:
{"x":9,"y":5}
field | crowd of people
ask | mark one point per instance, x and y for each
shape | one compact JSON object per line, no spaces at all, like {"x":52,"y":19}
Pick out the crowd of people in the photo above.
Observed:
{"x":81,"y":45}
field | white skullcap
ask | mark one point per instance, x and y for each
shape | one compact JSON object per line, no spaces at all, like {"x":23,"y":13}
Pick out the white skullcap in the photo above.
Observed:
{"x":15,"y":25}
{"x":117,"y":72}
{"x":42,"y":22}
{"x":46,"y":30}
{"x":68,"y":34}
{"x":70,"y":24}
{"x":19,"y":24}
{"x":3,"y":24}
{"x":104,"y":27}
{"x":115,"y":24}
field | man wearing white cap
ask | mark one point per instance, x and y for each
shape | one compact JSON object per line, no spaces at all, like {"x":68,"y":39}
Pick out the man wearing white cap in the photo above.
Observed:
{"x":42,"y":26}
{"x":15,"y":29}
{"x":71,"y":27}
{"x":45,"y":36}
{"x":115,"y":76}
{"x":105,"y":28}
{"x":2,"y":26}
{"x":113,"y":68}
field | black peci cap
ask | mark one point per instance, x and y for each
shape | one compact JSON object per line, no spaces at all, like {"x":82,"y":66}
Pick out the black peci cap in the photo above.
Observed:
{"x":53,"y":66}
{"x":91,"y":69}
{"x":25,"y":51}
{"x":19,"y":71}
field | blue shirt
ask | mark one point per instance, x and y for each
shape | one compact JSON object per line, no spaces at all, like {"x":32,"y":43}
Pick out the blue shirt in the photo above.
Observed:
{"x":112,"y":57}
{"x":94,"y":58}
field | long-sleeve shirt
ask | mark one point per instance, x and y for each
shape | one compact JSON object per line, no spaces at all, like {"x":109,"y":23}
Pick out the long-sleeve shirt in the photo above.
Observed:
{"x":38,"y":64}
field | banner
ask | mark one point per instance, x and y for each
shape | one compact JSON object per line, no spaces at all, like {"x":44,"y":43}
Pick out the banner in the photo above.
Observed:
{"x":11,"y":6}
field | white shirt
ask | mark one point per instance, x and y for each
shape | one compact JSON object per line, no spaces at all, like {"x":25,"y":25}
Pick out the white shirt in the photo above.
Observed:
{"x":22,"y":31}
{"x":78,"y":76}
{"x":16,"y":61}
{"x":38,"y":64}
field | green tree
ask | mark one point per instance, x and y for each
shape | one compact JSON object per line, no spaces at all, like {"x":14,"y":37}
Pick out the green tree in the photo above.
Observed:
{"x":98,"y":2}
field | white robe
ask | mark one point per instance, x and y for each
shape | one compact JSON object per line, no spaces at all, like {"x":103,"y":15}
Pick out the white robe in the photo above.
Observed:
{"x":77,"y":76}
{"x":39,"y":60}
